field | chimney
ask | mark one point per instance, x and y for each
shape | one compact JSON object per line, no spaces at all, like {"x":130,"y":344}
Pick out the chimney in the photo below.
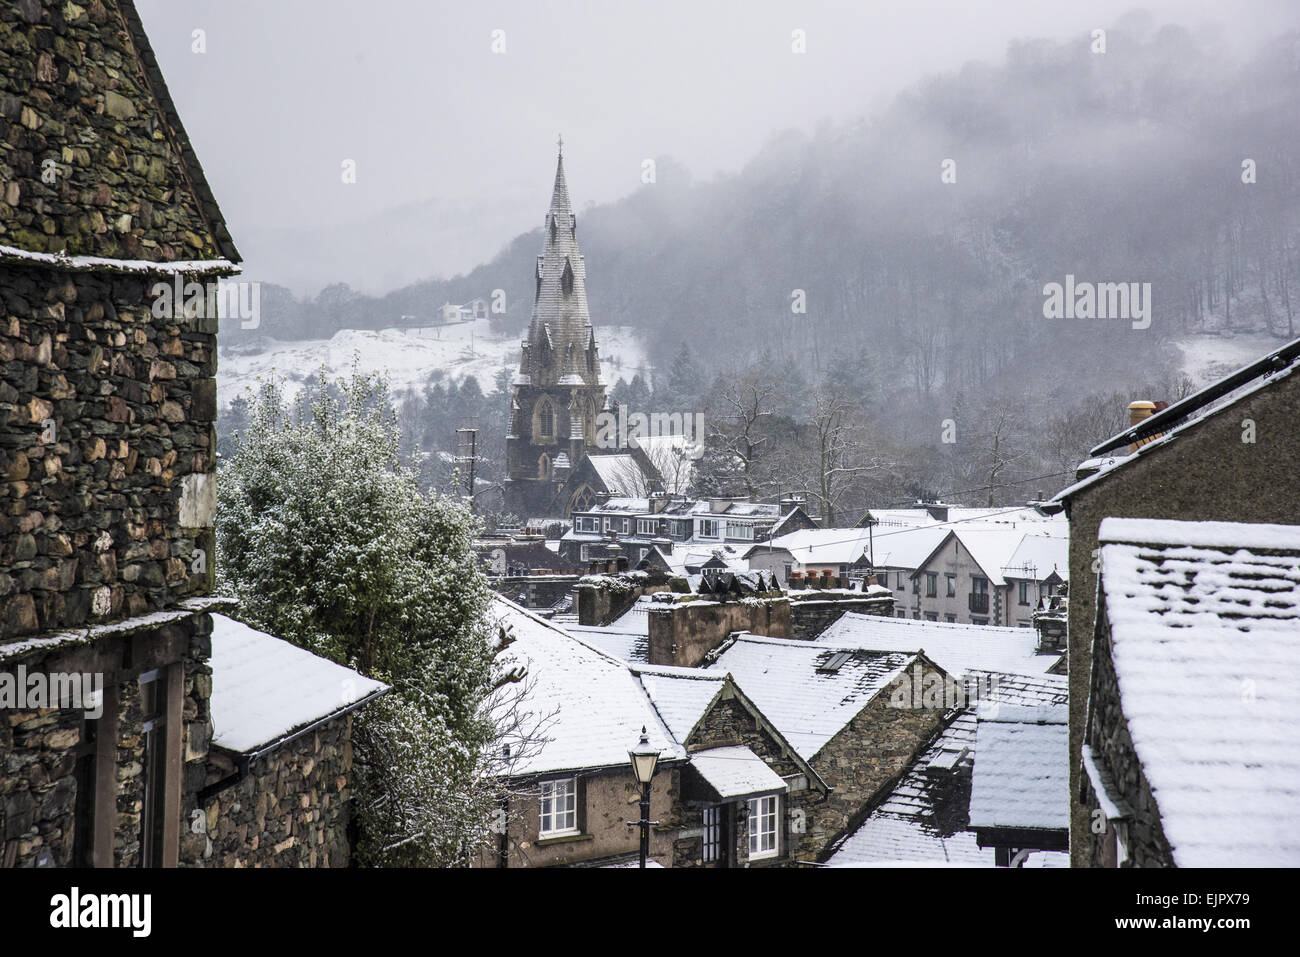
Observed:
{"x":938,"y":511}
{"x":1137,"y":412}
{"x":658,"y":502}
{"x":790,"y":502}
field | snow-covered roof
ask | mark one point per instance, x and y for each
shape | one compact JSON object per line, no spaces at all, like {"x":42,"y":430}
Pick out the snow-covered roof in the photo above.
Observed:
{"x":680,"y":695}
{"x":624,"y":645}
{"x":825,"y":546}
{"x":1037,"y":556}
{"x":991,"y":548}
{"x":1205,"y":638}
{"x":619,"y":472}
{"x":925,"y":817}
{"x":907,"y":547}
{"x":596,"y":704}
{"x":1021,"y":774}
{"x":785,"y":679}
{"x":957,"y":648}
{"x":264,"y":688}
{"x":736,"y":772}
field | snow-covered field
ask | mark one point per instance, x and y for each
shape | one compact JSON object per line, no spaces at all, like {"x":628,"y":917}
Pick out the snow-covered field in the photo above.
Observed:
{"x":1210,"y":357}
{"x":409,"y":356}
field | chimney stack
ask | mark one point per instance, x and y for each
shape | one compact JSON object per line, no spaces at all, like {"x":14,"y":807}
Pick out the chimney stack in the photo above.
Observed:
{"x":1137,"y":412}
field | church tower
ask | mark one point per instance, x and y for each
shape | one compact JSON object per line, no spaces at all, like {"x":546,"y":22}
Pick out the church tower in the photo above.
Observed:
{"x":558,"y":391}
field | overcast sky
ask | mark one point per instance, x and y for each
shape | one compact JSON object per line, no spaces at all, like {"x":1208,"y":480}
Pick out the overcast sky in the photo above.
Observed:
{"x":411,"y":90}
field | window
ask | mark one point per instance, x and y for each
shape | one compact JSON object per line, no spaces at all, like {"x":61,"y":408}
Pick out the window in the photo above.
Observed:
{"x":979,"y":586}
{"x":645,"y":526}
{"x":979,"y":621}
{"x":931,"y":616}
{"x":708,"y":528}
{"x":559,"y":807}
{"x":545,"y":420}
{"x":762,"y":827}
{"x":584,"y":553}
{"x":882,"y":579}
{"x":902,"y":582}
{"x":952,"y":586}
{"x":931,"y":584}
{"x":916,"y":585}
{"x":741,"y":531}
{"x":788,"y":569}
{"x":951,"y":619}
{"x":712,"y":850}
{"x":902,"y":613}
{"x":625,"y":526}
{"x":1024,"y":593}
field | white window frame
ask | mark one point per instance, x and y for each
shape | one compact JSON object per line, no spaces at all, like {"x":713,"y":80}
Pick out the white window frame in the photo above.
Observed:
{"x":584,"y":553}
{"x":764,"y":824}
{"x":645,"y":526}
{"x":709,"y":528}
{"x":563,"y":789}
{"x":740,"y":531}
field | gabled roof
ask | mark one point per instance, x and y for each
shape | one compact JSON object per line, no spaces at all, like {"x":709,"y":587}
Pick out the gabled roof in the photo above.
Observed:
{"x":1166,"y":426}
{"x":89,"y":119}
{"x":787,"y":679}
{"x":991,"y":548}
{"x":1204,"y":622}
{"x":827,"y":546}
{"x":597,"y":706}
{"x":925,"y":816}
{"x":619,"y":472}
{"x":957,"y":648}
{"x":265,"y":689}
{"x":1021,"y":774}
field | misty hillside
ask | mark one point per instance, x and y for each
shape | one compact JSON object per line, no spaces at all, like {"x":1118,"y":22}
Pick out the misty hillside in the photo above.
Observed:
{"x":1110,"y":167}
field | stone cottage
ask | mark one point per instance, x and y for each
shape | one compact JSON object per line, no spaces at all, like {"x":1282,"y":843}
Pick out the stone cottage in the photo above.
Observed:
{"x":107,"y":461}
{"x":1226,"y":453}
{"x":731,"y":790}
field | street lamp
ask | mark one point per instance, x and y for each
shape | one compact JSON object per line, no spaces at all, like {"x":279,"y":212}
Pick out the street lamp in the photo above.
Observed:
{"x":644,"y":758}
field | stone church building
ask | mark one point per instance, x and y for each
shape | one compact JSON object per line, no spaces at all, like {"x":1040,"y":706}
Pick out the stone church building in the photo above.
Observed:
{"x":559,"y":392}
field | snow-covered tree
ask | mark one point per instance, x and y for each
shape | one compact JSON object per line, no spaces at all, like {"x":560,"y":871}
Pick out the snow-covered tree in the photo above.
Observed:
{"x":327,"y":540}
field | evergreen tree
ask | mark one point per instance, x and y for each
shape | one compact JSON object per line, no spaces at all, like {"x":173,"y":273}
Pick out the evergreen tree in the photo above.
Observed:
{"x":328,"y":542}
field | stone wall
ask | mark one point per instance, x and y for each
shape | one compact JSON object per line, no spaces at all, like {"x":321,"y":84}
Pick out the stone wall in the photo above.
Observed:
{"x":79,"y":90}
{"x":106,"y":451}
{"x":1112,"y":748}
{"x":730,"y":723}
{"x":682,"y":634}
{"x":607,"y":800}
{"x":289,"y":808}
{"x":810,"y":616}
{"x":41,"y":797}
{"x":539,"y":591}
{"x":602,"y":598}
{"x":864,"y":756}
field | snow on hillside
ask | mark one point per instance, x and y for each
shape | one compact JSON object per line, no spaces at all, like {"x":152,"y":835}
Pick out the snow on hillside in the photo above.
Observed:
{"x":409,"y":356}
{"x":1210,"y":357}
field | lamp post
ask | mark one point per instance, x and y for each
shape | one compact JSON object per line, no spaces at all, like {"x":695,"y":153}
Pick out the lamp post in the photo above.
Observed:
{"x":644,"y":758}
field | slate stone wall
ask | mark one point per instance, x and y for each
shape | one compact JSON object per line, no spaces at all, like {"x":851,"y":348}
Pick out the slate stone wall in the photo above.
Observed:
{"x":76,"y":105}
{"x":291,"y":808}
{"x":809,"y":617}
{"x":39,"y":793}
{"x":106,"y":451}
{"x":865,"y":755}
{"x":1112,"y":748}
{"x":683,"y":634}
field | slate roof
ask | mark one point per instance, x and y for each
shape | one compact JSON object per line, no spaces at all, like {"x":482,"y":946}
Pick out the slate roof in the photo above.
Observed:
{"x":810,"y":706}
{"x":736,"y":772}
{"x":595,"y":705}
{"x":957,"y":648}
{"x":560,"y":320}
{"x":619,"y":472}
{"x":924,"y":818}
{"x":264,"y":688}
{"x":1021,"y":774}
{"x":1205,"y":638}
